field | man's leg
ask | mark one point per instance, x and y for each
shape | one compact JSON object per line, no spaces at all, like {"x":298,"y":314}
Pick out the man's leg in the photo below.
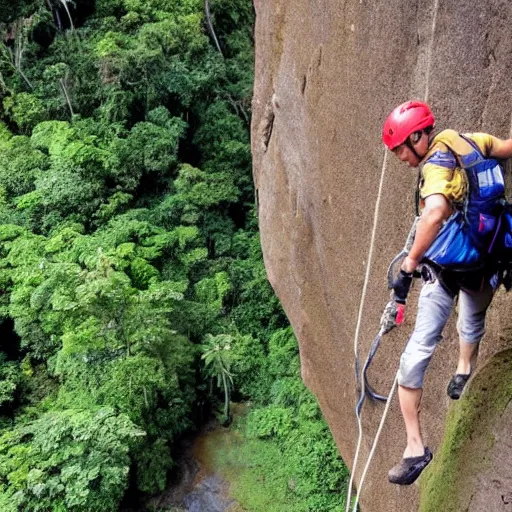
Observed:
{"x":468,"y":353}
{"x":410,"y":406}
{"x":471,"y":327}
{"x":434,"y":307}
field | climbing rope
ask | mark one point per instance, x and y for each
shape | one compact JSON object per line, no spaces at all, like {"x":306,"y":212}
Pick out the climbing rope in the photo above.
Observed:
{"x":359,"y":318}
{"x":362,"y":375}
{"x":376,"y":439}
{"x":363,"y":386}
{"x":367,"y":389}
{"x":387,"y":322}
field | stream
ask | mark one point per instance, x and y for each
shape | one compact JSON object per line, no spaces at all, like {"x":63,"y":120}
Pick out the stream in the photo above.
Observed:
{"x":196,"y":488}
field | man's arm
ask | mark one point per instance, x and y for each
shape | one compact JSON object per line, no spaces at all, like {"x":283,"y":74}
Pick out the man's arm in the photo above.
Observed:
{"x":501,"y":149}
{"x":437,"y":210}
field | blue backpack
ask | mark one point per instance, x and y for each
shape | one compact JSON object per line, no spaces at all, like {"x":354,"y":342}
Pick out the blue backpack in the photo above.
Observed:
{"x":481,"y":228}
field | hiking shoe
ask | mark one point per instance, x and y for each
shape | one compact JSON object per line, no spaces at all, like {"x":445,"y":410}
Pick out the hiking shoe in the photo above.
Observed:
{"x":456,"y":385}
{"x":409,"y":469}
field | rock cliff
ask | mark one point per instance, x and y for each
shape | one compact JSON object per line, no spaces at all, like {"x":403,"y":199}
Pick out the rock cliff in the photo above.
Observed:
{"x":327,"y":74}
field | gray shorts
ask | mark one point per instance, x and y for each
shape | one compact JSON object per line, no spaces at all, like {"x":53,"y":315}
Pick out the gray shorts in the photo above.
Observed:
{"x":434,"y":308}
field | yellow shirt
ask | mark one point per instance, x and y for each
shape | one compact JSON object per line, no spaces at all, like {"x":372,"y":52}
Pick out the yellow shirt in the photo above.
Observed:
{"x":441,"y":173}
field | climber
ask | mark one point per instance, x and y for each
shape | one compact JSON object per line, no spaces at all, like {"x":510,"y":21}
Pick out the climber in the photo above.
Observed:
{"x":443,"y":190}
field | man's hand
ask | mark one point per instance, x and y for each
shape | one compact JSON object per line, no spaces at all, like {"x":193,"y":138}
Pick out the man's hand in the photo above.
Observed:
{"x":409,"y":264}
{"x":401,"y":287}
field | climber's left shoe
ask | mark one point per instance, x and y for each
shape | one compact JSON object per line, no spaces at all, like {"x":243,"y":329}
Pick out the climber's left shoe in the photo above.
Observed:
{"x":409,"y":469}
{"x":456,"y":385}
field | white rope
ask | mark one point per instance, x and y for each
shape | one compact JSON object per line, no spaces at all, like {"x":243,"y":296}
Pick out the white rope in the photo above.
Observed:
{"x":430,"y":48}
{"x":363,"y":296}
{"x":360,"y":316}
{"x":376,"y":439}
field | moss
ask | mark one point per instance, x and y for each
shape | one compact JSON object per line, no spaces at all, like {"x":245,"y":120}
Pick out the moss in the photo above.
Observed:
{"x":468,"y":440}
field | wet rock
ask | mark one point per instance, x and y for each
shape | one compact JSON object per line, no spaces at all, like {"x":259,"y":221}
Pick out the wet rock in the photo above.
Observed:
{"x":209,"y":495}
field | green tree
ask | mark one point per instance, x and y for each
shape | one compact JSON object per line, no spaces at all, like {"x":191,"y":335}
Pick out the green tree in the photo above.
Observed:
{"x":217,"y":356}
{"x":129,"y":252}
{"x":67,"y":460}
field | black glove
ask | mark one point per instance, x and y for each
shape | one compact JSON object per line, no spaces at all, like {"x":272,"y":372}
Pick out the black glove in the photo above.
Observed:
{"x":401,"y":286}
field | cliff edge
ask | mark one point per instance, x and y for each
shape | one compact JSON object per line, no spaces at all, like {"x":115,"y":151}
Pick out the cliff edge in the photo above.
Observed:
{"x":327,"y":74}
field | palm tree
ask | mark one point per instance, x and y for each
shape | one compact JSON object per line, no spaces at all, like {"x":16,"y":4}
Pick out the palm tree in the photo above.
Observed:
{"x":217,"y":357}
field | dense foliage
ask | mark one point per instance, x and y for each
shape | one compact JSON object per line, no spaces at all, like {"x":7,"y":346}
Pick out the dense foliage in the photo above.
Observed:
{"x":287,"y":414}
{"x":133,"y":289}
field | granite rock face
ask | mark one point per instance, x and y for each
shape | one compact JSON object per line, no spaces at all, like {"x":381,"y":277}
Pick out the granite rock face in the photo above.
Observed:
{"x":327,"y":74}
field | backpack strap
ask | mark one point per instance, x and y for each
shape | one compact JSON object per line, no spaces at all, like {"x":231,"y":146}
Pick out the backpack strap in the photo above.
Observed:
{"x":460,"y":164}
{"x":469,"y":160}
{"x":473,"y":144}
{"x":420,"y":173}
{"x":417,"y":196}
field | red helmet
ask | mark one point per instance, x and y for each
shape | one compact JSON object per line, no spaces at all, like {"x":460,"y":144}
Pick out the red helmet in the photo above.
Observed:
{"x":410,"y":117}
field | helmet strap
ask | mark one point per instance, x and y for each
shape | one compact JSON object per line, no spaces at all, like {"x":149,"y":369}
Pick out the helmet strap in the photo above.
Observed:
{"x":409,"y":144}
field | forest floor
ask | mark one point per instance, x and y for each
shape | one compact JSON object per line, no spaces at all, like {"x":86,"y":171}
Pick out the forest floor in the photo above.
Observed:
{"x":219,"y":470}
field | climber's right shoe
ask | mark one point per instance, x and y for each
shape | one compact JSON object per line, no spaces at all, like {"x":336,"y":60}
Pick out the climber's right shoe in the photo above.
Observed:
{"x":456,"y":385}
{"x":409,"y":469}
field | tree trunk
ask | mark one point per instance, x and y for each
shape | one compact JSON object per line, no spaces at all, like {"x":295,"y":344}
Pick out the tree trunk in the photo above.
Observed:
{"x":226,"y":397}
{"x":210,"y":25}
{"x":66,"y":95}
